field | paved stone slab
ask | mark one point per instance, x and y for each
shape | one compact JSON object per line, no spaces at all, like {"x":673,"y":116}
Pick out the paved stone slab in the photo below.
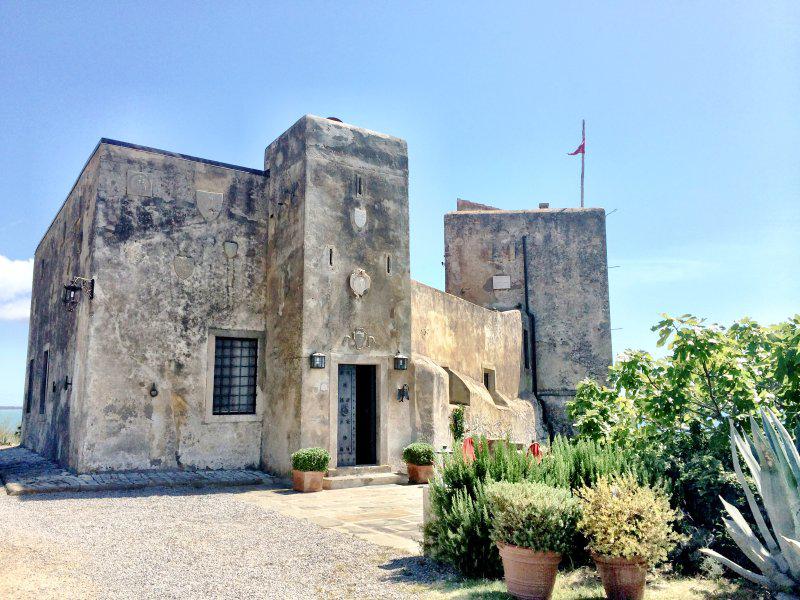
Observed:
{"x":25,"y":472}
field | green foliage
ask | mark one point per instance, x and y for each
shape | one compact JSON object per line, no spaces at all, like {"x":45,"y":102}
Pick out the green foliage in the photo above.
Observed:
{"x":676,"y":408}
{"x":624,"y":519}
{"x":311,"y":459}
{"x":573,"y":463}
{"x":533,"y":515}
{"x":457,"y":423}
{"x":460,"y":531}
{"x":419,"y":453}
{"x":774,"y":463}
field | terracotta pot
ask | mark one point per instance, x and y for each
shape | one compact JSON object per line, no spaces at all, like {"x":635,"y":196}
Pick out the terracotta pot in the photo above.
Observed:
{"x":419,"y":473}
{"x":623,"y":578}
{"x":528,"y":574}
{"x":307,"y":481}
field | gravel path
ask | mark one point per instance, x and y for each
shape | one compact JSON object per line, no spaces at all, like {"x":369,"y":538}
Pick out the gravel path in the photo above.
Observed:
{"x":167,"y":543}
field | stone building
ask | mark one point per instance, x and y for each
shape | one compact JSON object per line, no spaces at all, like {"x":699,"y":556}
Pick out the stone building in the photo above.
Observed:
{"x":192,"y":314}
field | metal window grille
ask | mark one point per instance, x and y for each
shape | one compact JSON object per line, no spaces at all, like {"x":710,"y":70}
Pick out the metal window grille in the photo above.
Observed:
{"x":235,"y":363}
{"x":43,"y":383}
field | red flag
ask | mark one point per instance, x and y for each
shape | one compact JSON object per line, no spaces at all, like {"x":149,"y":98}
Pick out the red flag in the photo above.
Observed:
{"x":579,"y":150}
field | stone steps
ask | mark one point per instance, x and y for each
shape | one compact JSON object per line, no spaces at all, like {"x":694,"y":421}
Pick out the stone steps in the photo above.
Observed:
{"x":359,"y":470}
{"x":340,"y":482}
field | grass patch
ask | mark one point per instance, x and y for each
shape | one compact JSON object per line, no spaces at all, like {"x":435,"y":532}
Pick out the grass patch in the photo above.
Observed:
{"x":584,"y":584}
{"x":8,"y":436}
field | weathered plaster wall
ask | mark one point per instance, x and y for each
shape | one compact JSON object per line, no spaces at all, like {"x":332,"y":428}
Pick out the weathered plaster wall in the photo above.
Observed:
{"x":339,"y":155}
{"x":63,"y":253}
{"x":568,"y":287}
{"x":466,"y":339}
{"x":285,"y":158}
{"x":168,"y":274}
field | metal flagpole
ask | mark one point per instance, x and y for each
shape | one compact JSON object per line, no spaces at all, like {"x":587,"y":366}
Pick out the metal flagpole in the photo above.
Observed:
{"x":583,"y":154}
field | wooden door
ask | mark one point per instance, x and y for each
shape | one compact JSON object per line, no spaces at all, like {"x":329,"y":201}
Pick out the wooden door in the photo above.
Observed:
{"x":347,"y":416}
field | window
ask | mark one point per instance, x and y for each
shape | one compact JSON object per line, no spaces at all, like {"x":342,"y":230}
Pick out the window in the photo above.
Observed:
{"x":29,"y":395}
{"x":43,"y":382}
{"x":235,"y":364}
{"x":488,"y":379}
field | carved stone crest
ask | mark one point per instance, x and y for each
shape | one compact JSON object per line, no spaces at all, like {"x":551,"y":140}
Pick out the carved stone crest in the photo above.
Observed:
{"x":209,"y":204}
{"x":359,"y":217}
{"x":183,"y":266}
{"x":139,"y":184}
{"x":360,"y":282}
{"x":359,"y":339}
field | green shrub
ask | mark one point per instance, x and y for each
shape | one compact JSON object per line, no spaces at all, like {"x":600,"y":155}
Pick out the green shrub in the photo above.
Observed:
{"x":419,"y":453}
{"x":460,"y":531}
{"x":311,"y":459}
{"x":533,"y":515}
{"x":624,"y":519}
{"x":457,"y":424}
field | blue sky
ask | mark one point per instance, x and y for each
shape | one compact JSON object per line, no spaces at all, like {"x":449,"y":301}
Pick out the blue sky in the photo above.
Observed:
{"x":691,"y":108}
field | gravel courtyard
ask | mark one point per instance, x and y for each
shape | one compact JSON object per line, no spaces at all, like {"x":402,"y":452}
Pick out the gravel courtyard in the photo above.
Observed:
{"x":183,"y":543}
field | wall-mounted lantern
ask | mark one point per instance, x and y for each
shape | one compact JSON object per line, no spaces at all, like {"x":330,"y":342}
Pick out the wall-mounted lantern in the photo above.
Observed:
{"x":317,"y":360}
{"x":67,"y":382}
{"x":153,"y":391}
{"x":74,"y":289}
{"x":400,"y":362}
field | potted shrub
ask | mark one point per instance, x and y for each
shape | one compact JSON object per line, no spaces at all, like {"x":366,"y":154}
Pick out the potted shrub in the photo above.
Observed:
{"x":309,"y":466}
{"x":629,"y":529}
{"x":419,"y":461}
{"x":533,"y":524}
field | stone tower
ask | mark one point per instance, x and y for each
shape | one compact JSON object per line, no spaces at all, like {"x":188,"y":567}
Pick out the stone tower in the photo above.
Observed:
{"x":551,"y":264}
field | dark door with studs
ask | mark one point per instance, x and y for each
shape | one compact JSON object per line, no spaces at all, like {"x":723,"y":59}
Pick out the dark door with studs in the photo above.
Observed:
{"x":357,"y":416}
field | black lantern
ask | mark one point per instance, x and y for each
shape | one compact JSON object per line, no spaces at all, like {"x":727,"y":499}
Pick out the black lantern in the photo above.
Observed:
{"x":317,"y":360}
{"x":74,"y":289}
{"x":400,"y":362}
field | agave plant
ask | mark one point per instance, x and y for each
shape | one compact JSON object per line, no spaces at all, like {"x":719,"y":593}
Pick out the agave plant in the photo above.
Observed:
{"x":774,"y":463}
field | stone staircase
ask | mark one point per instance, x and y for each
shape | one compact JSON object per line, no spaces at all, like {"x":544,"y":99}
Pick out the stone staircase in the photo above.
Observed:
{"x":349,"y":477}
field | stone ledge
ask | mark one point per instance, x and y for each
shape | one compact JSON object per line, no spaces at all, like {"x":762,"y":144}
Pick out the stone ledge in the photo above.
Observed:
{"x":24,"y":472}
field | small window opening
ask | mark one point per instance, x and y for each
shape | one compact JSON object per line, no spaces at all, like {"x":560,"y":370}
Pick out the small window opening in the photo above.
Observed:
{"x":488,"y":379}
{"x":29,"y":395}
{"x":330,"y":257}
{"x":388,"y":264}
{"x":43,"y":382}
{"x":358,"y":185}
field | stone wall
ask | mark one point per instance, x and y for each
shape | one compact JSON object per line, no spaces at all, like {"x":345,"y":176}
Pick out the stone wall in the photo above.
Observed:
{"x":179,"y":254}
{"x":64,"y":252}
{"x":568,"y":287}
{"x":460,"y":342}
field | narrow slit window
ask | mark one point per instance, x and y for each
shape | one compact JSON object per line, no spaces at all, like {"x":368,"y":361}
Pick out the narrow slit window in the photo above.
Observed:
{"x":359,"y":188}
{"x":330,"y":257}
{"x":388,"y":264}
{"x":235,"y":366}
{"x":43,"y":383}
{"x":29,"y":395}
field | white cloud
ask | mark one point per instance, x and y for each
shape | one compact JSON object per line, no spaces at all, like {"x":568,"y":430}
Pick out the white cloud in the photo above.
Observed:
{"x":16,"y":277}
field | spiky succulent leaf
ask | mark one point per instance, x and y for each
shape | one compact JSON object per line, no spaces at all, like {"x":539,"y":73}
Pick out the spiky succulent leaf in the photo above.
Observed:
{"x":746,"y":573}
{"x":792,"y":557}
{"x":751,"y":501}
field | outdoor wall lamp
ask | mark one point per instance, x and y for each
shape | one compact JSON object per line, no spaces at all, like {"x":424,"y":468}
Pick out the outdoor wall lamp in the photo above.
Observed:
{"x":317,"y":360}
{"x":74,"y":289}
{"x":400,"y":362}
{"x":153,"y":391}
{"x":67,"y":382}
